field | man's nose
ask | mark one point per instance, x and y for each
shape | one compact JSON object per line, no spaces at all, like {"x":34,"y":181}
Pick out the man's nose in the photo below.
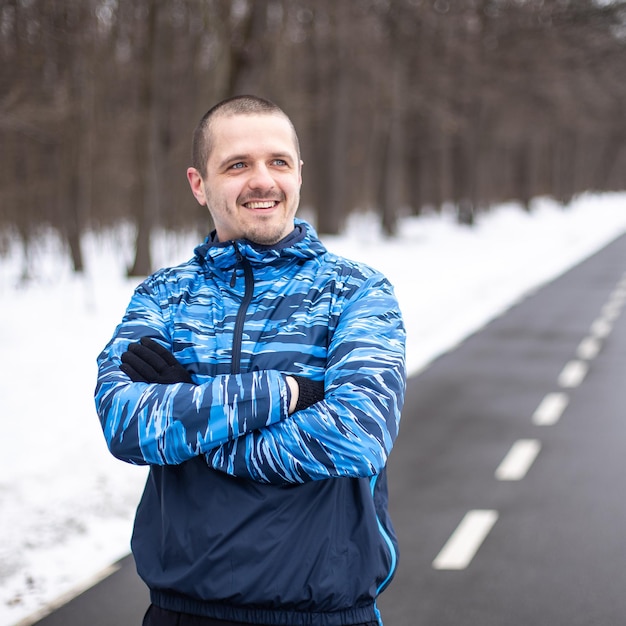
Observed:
{"x":261,"y":177}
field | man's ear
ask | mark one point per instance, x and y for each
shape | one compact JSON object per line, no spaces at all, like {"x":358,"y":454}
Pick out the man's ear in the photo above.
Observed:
{"x":196,"y":184}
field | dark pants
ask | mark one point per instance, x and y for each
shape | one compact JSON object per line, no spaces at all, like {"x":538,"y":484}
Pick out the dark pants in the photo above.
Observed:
{"x":156,"y":616}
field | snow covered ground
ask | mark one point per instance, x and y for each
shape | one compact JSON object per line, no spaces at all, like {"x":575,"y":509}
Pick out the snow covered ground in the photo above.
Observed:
{"x":66,"y":506}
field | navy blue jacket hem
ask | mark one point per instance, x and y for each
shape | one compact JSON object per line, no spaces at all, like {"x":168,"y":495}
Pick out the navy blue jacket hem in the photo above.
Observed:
{"x":172,"y":601}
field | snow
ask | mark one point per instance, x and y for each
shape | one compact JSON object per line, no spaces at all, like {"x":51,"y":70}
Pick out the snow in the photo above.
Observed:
{"x":66,"y":505}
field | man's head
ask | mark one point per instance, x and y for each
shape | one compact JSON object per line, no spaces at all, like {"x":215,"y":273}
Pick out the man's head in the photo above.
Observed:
{"x":247,"y":169}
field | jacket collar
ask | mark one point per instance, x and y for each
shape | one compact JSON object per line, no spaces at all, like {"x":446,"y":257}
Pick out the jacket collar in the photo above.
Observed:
{"x":302,"y":242}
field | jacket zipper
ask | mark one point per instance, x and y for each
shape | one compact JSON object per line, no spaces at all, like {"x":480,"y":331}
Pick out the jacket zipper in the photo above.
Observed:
{"x":235,"y":364}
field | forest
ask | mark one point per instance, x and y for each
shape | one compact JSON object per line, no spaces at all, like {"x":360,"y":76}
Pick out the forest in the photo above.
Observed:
{"x":401,"y":106}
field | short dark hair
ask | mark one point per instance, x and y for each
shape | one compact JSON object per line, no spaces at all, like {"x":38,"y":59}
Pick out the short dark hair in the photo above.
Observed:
{"x":237,"y":105}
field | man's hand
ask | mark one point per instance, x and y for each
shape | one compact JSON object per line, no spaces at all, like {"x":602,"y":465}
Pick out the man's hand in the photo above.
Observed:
{"x":149,"y":362}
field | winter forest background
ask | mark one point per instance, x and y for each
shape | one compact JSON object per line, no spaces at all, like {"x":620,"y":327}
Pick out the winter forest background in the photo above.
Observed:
{"x":456,"y":145}
{"x":402,"y":106}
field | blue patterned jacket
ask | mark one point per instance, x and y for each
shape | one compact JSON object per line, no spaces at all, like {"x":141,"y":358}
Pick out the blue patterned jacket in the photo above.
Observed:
{"x":250,"y":514}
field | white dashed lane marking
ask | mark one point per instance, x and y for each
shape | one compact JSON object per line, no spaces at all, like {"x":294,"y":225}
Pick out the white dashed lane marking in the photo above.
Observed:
{"x":551,"y":408}
{"x":601,"y":328}
{"x":519,"y":459}
{"x":588,"y":348}
{"x":573,"y":374}
{"x":611,"y":311}
{"x":464,"y":542}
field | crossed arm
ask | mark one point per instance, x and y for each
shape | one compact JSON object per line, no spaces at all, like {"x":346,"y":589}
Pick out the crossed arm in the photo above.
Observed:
{"x":250,"y":425}
{"x":149,"y":362}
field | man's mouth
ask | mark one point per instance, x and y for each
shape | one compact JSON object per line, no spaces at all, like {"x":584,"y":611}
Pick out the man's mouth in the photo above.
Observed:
{"x":265,"y":204}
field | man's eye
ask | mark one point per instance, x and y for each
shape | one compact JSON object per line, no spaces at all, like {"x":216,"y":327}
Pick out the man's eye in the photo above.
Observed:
{"x":237,"y":166}
{"x":280,"y":162}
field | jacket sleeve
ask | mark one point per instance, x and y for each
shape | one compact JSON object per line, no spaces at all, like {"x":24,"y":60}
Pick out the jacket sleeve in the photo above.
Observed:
{"x":169,"y":424}
{"x":351,"y":432}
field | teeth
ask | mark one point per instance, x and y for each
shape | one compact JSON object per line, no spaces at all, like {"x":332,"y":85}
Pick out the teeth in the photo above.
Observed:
{"x":261,"y":205}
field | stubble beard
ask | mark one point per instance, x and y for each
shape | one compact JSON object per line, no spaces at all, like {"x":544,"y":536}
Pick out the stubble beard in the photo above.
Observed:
{"x":261,"y":230}
{"x":267,"y":234}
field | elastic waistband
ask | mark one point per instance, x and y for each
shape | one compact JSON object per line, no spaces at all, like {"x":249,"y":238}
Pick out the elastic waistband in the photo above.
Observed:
{"x":176,"y":602}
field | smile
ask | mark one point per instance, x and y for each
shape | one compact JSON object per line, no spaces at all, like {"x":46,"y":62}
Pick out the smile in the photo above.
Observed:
{"x":266,"y":204}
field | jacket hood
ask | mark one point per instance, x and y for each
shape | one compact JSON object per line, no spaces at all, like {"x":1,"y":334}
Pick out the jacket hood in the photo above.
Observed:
{"x":303,"y":242}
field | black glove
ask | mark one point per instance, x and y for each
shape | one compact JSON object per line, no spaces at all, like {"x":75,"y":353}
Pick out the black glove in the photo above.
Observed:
{"x":309,"y":392}
{"x":149,"y":362}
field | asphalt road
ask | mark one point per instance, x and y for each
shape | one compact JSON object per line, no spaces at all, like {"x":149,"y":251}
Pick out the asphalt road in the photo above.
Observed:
{"x":556,"y":553}
{"x":507,"y":478}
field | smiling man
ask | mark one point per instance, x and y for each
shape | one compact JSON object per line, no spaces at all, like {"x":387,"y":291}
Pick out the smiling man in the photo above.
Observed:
{"x":262,"y":381}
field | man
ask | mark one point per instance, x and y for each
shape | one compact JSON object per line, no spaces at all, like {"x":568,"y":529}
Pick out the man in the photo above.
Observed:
{"x":262,"y":381}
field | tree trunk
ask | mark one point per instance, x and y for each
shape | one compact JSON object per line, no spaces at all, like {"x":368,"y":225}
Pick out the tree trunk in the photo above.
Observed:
{"x":332,"y":150}
{"x":144,"y":214}
{"x":395,"y":161}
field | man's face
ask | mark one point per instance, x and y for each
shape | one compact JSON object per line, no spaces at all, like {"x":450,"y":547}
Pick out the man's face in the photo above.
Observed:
{"x":253,"y":176}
